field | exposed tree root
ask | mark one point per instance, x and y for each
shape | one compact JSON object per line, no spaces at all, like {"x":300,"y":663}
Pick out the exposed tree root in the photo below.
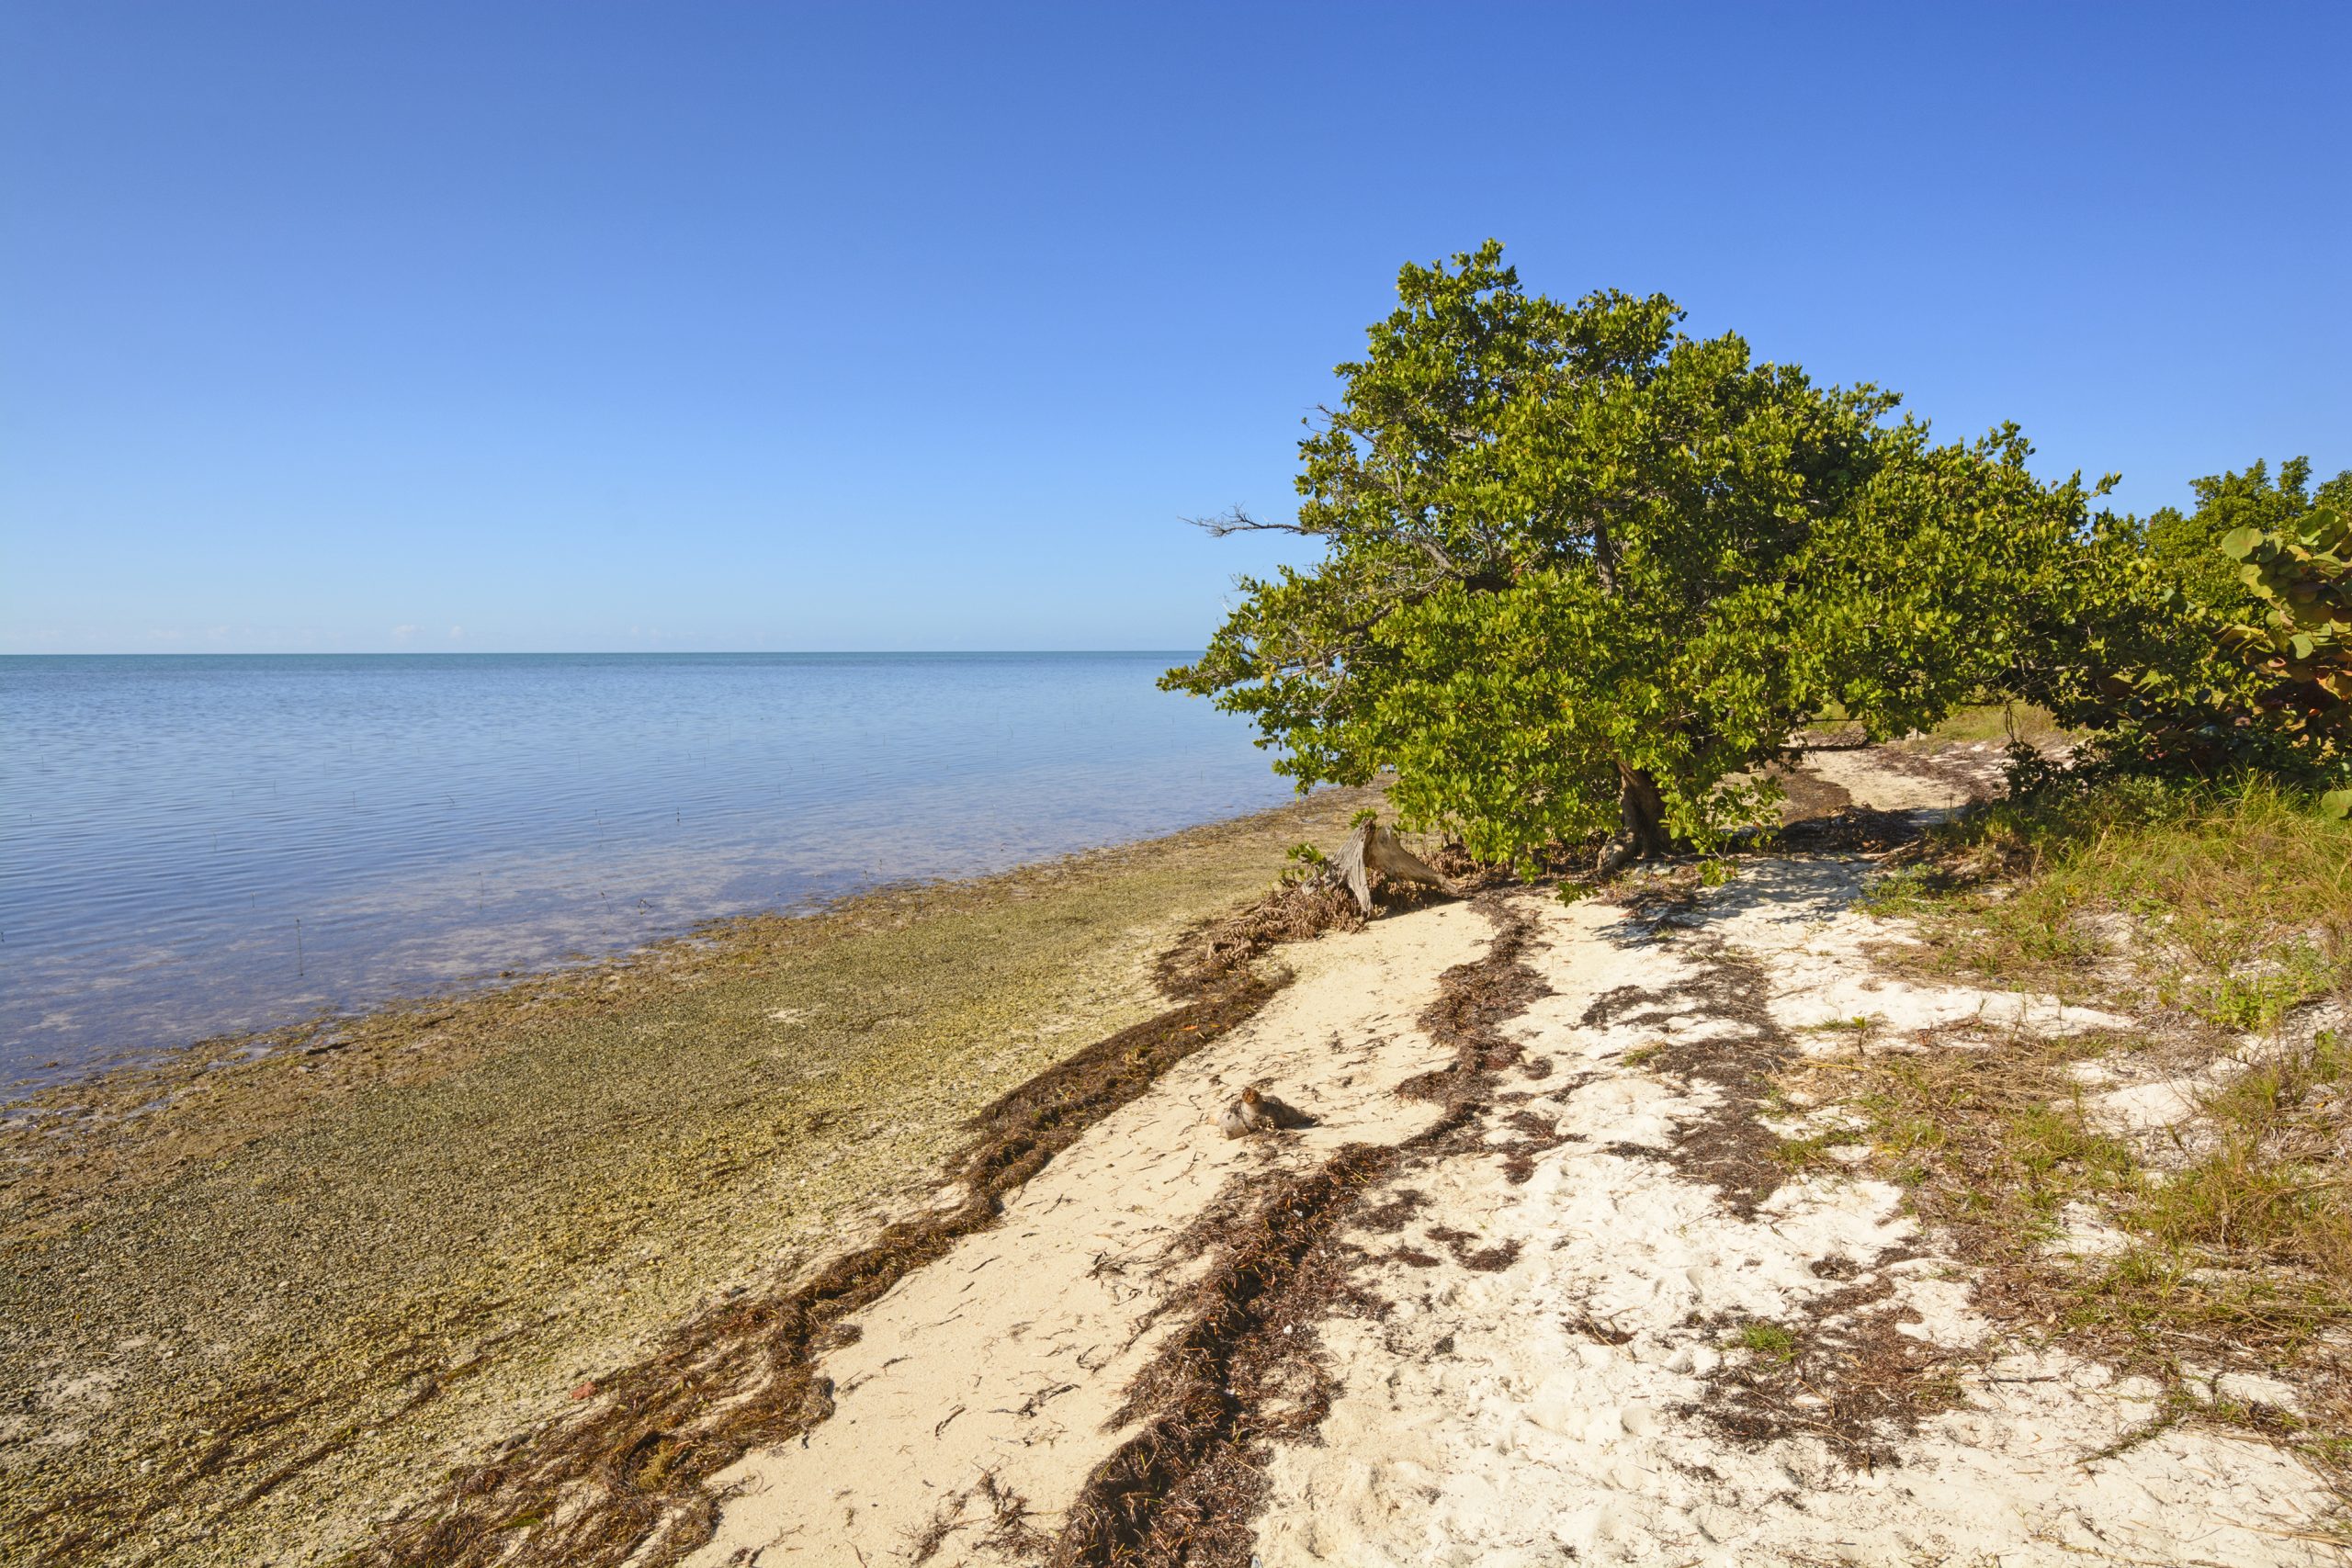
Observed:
{"x":1372,"y":850}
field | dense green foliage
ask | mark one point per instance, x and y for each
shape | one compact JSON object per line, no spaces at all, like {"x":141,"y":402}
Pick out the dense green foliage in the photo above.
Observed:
{"x":2301,"y":576}
{"x":2187,"y":545}
{"x":2119,"y":653}
{"x":2166,"y":672}
{"x":1582,"y":571}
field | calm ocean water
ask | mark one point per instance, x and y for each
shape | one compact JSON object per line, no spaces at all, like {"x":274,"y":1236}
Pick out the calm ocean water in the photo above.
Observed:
{"x":193,"y":845}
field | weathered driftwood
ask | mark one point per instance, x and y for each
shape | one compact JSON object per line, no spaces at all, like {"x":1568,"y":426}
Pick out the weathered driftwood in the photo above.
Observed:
{"x":1373,"y":848}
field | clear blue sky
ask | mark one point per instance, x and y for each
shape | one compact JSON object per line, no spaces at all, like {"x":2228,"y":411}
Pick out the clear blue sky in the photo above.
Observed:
{"x":750,"y":326}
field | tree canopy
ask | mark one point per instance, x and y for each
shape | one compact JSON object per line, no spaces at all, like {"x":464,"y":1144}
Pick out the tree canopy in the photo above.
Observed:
{"x":1583,"y":571}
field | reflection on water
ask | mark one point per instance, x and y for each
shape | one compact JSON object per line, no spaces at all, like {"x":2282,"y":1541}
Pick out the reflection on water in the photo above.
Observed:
{"x":194,"y":845}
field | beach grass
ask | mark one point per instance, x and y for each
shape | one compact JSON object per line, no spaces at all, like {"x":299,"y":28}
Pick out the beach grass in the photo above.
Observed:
{"x":1992,"y":721}
{"x":2214,"y":920}
{"x":2234,"y":903}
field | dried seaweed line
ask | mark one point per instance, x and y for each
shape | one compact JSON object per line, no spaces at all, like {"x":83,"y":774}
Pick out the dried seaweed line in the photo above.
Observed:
{"x":1186,"y":1487}
{"x":1855,"y":1380}
{"x":626,"y":1479}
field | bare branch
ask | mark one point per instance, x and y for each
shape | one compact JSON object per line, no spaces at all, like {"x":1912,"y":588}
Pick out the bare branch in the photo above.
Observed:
{"x":1236,"y":521}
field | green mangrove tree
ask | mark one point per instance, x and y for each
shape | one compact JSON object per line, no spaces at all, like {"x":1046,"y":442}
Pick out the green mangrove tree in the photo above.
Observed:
{"x":1582,"y":573}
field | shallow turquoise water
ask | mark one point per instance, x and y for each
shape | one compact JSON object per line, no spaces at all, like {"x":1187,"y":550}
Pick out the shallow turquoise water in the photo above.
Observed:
{"x":193,"y":845}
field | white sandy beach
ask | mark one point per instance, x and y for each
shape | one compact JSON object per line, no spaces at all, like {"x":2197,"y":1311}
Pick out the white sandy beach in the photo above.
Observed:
{"x":1565,"y":1400}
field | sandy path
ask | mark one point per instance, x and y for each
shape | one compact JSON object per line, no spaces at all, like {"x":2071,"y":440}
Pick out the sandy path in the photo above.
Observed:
{"x":1009,"y":1358}
{"x":1585,"y":1404}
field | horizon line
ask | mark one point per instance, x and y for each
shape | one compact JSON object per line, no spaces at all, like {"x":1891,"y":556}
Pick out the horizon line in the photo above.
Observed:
{"x":589,"y":652}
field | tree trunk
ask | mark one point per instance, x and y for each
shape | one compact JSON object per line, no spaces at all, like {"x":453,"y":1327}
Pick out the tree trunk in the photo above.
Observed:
{"x":1642,"y":812}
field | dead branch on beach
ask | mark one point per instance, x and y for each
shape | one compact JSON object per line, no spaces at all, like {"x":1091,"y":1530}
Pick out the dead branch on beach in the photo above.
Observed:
{"x":1372,"y":870}
{"x":1373,"y":849}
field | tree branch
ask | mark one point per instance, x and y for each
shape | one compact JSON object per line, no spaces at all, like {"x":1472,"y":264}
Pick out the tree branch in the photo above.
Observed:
{"x":1236,"y":521}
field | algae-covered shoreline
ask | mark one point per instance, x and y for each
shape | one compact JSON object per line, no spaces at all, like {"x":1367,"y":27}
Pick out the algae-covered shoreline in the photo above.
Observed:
{"x":254,"y":1303}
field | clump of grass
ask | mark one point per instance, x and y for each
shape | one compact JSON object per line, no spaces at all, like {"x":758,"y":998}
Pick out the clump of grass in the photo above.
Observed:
{"x":2233,"y":902}
{"x":2205,"y":908}
{"x":1813,"y":1150}
{"x":2272,"y":1187}
{"x":2260,"y":992}
{"x":1768,"y":1339}
{"x":2241,"y":1258}
{"x":1994,"y":1138}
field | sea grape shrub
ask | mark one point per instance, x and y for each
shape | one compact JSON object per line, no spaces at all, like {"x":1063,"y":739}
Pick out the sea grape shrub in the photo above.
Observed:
{"x":2303,"y":576}
{"x":2122,"y":655}
{"x":2165,"y":674}
{"x":1582,"y":573}
{"x":2186,"y":545}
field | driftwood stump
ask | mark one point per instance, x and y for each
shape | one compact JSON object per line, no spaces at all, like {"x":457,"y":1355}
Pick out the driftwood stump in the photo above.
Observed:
{"x":1373,"y":848}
